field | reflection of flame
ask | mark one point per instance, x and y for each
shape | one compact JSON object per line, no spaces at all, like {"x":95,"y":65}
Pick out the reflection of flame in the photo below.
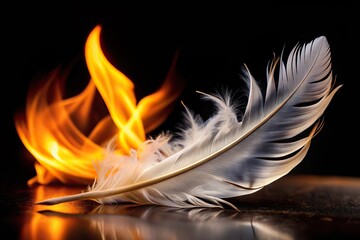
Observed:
{"x":40,"y":227}
{"x":61,"y":133}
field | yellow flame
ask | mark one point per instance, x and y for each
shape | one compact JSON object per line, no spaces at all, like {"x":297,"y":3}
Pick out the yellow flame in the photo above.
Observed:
{"x":60,"y":132}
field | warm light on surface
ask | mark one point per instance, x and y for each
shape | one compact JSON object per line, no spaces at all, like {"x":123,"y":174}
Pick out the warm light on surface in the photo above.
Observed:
{"x":60,"y":132}
{"x":38,"y":226}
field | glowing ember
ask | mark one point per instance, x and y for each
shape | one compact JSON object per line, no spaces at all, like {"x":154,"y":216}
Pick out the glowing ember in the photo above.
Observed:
{"x":61,"y":134}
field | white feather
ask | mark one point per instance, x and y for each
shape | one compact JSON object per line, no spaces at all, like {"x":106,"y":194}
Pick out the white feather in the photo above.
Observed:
{"x":223,"y":157}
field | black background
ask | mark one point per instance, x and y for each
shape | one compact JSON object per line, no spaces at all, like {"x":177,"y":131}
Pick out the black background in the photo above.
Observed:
{"x":214,"y":42}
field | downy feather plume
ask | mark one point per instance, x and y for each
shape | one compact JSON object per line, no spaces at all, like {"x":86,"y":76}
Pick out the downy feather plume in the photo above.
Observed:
{"x":224,"y":157}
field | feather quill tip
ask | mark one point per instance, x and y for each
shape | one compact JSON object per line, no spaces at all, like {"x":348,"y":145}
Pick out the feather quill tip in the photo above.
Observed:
{"x":57,"y":200}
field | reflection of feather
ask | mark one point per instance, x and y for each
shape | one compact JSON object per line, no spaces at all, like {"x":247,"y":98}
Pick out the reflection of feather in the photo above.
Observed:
{"x":222,"y":157}
{"x":147,"y":222}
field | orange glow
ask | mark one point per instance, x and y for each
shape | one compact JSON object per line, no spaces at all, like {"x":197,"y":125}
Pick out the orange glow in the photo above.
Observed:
{"x":66,"y":136}
{"x":40,"y":226}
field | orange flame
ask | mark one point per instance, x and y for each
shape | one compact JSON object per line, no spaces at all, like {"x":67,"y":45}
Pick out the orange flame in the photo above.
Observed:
{"x":60,"y":133}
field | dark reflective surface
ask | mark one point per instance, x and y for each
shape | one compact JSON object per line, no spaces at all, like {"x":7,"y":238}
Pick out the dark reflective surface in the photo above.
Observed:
{"x":154,"y":222}
{"x":294,"y":207}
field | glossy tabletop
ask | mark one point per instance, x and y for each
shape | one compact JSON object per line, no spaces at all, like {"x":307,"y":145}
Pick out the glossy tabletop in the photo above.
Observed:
{"x":293,"y":207}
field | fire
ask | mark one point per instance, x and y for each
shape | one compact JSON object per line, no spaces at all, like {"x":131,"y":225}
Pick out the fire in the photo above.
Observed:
{"x":60,"y":132}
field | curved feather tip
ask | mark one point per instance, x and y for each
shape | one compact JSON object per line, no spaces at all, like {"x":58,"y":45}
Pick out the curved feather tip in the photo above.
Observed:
{"x":230,"y":154}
